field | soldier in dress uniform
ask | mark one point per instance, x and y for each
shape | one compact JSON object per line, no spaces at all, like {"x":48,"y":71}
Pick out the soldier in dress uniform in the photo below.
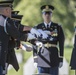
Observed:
{"x":48,"y":57}
{"x":73,"y":57}
{"x":13,"y":43}
{"x":7,"y":30}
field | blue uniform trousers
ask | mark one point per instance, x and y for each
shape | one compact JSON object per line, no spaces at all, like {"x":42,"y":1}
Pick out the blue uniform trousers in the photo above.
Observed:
{"x":1,"y":70}
{"x":51,"y":71}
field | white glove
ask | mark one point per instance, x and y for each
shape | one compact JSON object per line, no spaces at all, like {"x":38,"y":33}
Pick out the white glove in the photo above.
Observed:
{"x":44,"y":35}
{"x":34,"y":31}
{"x":35,"y":64}
{"x":30,"y":37}
{"x":26,"y":48}
{"x":47,"y":32}
{"x":60,"y":64}
{"x":39,"y":44}
{"x":23,"y":47}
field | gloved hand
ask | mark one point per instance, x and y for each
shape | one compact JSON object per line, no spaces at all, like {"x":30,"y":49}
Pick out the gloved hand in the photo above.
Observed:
{"x":34,"y":31}
{"x":30,"y":37}
{"x":44,"y":35}
{"x":26,"y":47}
{"x":60,"y":64}
{"x":35,"y":64}
{"x":47,"y":32}
{"x":22,"y":47}
{"x":39,"y":44}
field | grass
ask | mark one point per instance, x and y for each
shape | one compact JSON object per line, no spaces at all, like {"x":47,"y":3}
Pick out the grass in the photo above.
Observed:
{"x":67,"y":55}
{"x":20,"y":72}
{"x":13,"y":72}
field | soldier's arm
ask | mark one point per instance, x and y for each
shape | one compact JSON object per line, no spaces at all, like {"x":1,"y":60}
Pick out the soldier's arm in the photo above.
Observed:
{"x":26,"y":28}
{"x":23,"y":28}
{"x":14,"y":32}
{"x":61,"y":39}
{"x":26,"y":47}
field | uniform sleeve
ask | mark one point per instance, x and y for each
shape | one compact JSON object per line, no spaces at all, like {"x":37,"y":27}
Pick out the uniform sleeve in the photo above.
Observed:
{"x":33,"y":42}
{"x":21,"y":28}
{"x":13,"y":31}
{"x":61,"y":39}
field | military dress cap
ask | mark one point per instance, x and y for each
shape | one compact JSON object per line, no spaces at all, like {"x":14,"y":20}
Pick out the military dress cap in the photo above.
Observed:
{"x":6,"y":3}
{"x":16,"y":17}
{"x":15,"y":12}
{"x":47,"y":8}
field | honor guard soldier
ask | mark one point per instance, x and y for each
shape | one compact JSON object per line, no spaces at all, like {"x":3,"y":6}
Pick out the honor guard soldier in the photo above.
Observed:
{"x":73,"y":57}
{"x":48,"y":57}
{"x":13,"y":43}
{"x":7,"y":30}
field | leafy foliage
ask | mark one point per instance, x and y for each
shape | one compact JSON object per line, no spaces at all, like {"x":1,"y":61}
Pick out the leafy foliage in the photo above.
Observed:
{"x":63,"y":13}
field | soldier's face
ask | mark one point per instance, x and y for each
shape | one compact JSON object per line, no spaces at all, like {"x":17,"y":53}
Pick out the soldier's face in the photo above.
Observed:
{"x":47,"y":16}
{"x":8,"y":11}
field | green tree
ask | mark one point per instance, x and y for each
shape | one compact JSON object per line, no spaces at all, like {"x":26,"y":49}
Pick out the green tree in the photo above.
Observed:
{"x":63,"y":14}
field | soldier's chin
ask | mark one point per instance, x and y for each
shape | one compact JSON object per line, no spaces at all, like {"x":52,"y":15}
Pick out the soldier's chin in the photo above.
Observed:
{"x":48,"y":19}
